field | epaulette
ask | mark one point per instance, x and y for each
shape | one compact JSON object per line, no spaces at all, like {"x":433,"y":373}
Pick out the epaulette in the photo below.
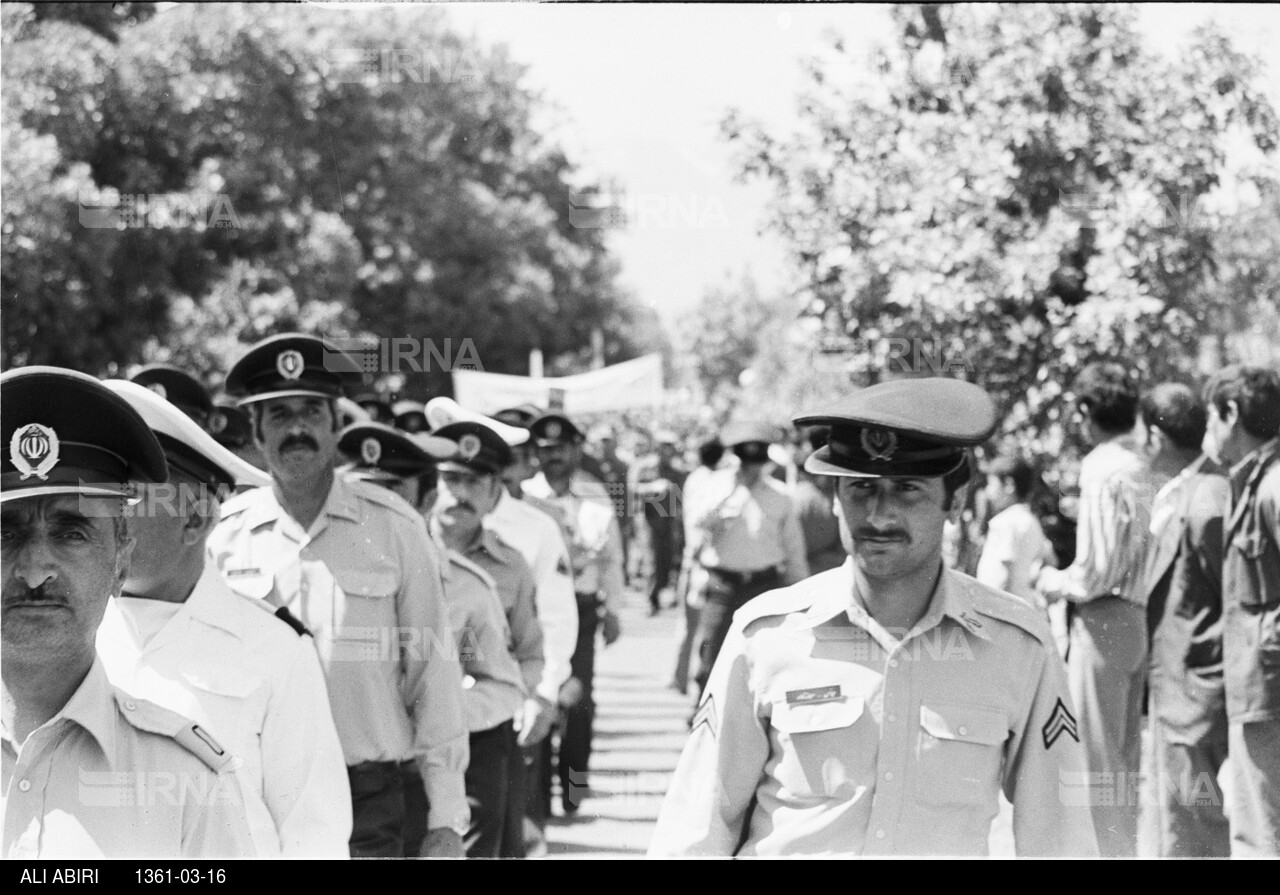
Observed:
{"x":191,"y":736}
{"x":466,"y":565}
{"x":382,"y":497}
{"x":280,"y":612}
{"x":783,"y":601}
{"x":1006,"y":608}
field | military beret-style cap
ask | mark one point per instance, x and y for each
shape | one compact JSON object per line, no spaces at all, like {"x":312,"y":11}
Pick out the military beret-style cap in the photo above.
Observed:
{"x":178,"y":387}
{"x":555,"y":428}
{"x":67,"y":433}
{"x":521,"y":416}
{"x":228,"y":424}
{"x":188,"y":449}
{"x":480,"y":447}
{"x":380,"y":453}
{"x":905,"y":427}
{"x":292,"y":366}
{"x":378,"y":408}
{"x":410,"y":416}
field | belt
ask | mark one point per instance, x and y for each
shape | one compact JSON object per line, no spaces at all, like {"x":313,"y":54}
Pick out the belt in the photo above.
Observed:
{"x":743,"y":578}
{"x":582,"y":597}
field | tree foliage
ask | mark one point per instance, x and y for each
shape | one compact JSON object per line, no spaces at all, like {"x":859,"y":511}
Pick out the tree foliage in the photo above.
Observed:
{"x":1016,"y":190}
{"x":347,"y":172}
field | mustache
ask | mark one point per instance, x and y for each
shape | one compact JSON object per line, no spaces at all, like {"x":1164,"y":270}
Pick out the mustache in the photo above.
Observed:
{"x":866,"y":531}
{"x":299,"y":440}
{"x":40,"y":594}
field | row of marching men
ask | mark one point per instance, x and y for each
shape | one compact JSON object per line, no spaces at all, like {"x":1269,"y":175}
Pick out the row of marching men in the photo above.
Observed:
{"x":367,"y":644}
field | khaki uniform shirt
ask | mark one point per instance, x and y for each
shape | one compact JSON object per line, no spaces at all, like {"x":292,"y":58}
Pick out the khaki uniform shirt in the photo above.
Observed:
{"x":819,"y":733}
{"x":256,"y":685}
{"x":513,"y":581}
{"x":491,"y":688}
{"x":366,"y":581}
{"x":111,"y":776}
{"x":762,"y":528}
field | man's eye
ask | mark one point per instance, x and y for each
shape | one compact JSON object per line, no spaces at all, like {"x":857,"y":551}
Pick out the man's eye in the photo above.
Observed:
{"x":71,"y":535}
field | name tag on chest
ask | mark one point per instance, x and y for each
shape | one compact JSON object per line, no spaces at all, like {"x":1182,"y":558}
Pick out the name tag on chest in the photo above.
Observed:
{"x":813,"y":694}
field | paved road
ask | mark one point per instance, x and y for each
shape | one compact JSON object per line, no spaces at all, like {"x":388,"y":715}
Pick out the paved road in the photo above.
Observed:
{"x":640,"y":729}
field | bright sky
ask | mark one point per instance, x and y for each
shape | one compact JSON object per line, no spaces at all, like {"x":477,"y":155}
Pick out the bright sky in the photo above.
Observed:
{"x":639,"y":90}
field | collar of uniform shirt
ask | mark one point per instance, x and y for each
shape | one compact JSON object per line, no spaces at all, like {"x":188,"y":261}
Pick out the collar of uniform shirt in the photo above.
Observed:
{"x":950,"y":598}
{"x":339,"y":502}
{"x":202,"y":605}
{"x":92,"y":707}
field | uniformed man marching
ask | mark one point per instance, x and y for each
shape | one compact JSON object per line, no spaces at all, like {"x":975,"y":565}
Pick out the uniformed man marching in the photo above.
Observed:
{"x":881,"y":707}
{"x":355,"y":564}
{"x":79,"y":754}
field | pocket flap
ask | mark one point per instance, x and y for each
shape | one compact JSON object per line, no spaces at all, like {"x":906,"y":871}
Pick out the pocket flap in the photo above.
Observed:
{"x":370,"y":583}
{"x":816,"y":716}
{"x":966,"y":723}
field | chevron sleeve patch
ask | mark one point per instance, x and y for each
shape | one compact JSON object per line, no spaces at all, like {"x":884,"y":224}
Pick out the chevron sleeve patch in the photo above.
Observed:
{"x":1060,"y":722}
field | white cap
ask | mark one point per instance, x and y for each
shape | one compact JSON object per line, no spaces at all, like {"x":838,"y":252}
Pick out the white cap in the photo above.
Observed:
{"x":443,"y":411}
{"x":167,"y":419}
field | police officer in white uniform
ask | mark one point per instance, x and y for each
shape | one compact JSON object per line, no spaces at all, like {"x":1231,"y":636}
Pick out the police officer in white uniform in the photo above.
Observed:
{"x":879,"y":708}
{"x":177,"y":635}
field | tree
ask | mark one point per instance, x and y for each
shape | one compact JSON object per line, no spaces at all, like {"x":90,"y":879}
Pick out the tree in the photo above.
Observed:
{"x":1023,"y":182}
{"x":363,"y":172}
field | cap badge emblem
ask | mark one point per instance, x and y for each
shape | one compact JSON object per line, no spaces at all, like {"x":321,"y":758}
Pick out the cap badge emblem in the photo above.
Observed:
{"x":880,"y":444}
{"x":553,"y":429}
{"x":468,"y":446}
{"x":33,"y":450}
{"x":290,"y":364}
{"x":371,"y":451}
{"x":158,"y":389}
{"x":217,"y":422}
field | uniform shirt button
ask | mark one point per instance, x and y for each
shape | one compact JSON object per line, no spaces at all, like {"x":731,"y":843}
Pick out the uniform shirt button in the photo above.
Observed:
{"x":131,"y":705}
{"x":964,"y":731}
{"x":888,"y":775}
{"x":891,"y":718}
{"x":879,"y":834}
{"x":24,"y":785}
{"x":893,"y":663}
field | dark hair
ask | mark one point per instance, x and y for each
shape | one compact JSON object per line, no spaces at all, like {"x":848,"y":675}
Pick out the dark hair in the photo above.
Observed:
{"x":1016,"y":470}
{"x":1256,"y":391}
{"x":1177,"y":411}
{"x":1104,"y":390}
{"x":427,"y":482}
{"x":710,"y":453}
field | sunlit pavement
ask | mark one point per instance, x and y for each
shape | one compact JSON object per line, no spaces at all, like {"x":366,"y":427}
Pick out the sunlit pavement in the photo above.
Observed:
{"x":639,"y":731}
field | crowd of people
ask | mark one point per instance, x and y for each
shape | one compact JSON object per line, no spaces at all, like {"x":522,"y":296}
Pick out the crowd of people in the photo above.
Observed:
{"x":333,"y":624}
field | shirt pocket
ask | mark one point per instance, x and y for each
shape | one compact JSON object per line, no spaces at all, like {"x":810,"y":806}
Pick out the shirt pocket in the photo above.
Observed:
{"x":1258,"y":592}
{"x":365,"y":600}
{"x":226,"y":696}
{"x":824,"y":749}
{"x":960,"y":754}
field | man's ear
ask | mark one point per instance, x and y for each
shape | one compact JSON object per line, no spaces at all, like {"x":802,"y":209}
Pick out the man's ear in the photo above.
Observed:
{"x":200,"y":520}
{"x":124,"y":560}
{"x":1232,"y":416}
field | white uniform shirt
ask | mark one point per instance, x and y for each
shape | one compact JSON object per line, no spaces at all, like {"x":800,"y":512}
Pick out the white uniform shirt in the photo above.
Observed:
{"x":596,"y":540}
{"x":256,"y":685}
{"x":1015,"y":543}
{"x":537,"y":537}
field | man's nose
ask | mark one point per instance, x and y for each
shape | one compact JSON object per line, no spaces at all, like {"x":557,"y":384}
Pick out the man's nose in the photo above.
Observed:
{"x":33,"y":562}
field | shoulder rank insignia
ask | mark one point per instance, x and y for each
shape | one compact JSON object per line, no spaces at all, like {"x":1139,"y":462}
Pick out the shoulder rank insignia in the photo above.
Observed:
{"x":1060,"y":722}
{"x":292,"y":621}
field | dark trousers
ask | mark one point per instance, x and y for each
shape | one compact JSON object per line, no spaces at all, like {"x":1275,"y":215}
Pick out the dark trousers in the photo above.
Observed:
{"x":378,"y":810}
{"x":488,"y":788}
{"x":724,"y":594}
{"x":575,"y":738}
{"x":662,"y":543}
{"x":518,"y":774}
{"x":416,"y":809}
{"x":1183,"y":815}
